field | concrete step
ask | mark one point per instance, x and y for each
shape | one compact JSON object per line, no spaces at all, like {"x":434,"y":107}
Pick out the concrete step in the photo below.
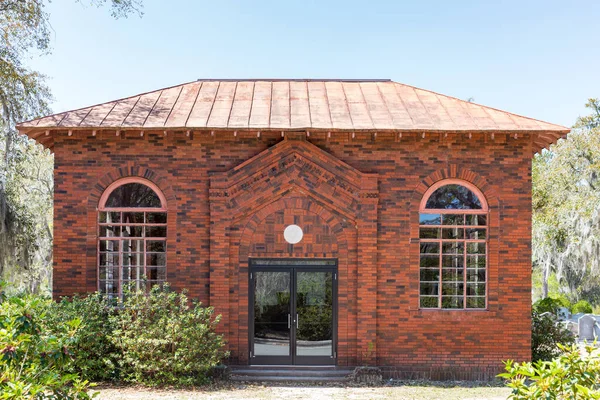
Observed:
{"x":294,"y":374}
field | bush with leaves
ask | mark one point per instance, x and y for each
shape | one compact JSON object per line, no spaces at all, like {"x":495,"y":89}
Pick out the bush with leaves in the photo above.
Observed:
{"x":582,"y":306}
{"x":546,"y":334}
{"x":574,"y":374}
{"x":165,"y":339}
{"x":95,"y":356}
{"x":551,"y":305}
{"x":34,"y":361}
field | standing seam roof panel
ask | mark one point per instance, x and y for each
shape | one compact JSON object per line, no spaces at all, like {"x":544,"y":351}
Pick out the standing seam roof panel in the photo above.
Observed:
{"x":438,"y":114}
{"x":338,"y":106}
{"x":418,"y":113}
{"x":459,"y":115}
{"x":121,"y":110}
{"x":299,"y":107}
{"x":280,"y":105}
{"x":378,"y":110}
{"x":219,"y":115}
{"x":183,"y":106}
{"x":74,"y":118}
{"x":361,"y":119}
{"x":400,"y":116}
{"x":319,"y":106}
{"x":137,"y":117}
{"x":242,"y":103}
{"x":97,"y":115}
{"x":479,"y":116}
{"x":261,"y":105}
{"x":162,"y":109}
{"x":203,"y":105}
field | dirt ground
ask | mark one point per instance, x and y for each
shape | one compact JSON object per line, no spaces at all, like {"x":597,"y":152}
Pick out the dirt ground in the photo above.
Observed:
{"x":274,"y":391}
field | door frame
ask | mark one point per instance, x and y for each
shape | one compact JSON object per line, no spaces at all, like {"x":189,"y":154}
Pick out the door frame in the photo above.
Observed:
{"x":293,"y":265}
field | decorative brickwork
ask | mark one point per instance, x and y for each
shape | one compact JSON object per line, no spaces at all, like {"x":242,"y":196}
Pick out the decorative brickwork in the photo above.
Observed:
{"x":296,"y":182}
{"x":357,"y":199}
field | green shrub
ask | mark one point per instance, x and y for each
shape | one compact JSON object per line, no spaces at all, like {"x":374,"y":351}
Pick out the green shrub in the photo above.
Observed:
{"x":551,"y":305}
{"x":546,"y":335}
{"x":563,"y":300}
{"x":95,"y":356}
{"x":166,"y":340}
{"x":582,"y":306}
{"x":572,"y":375}
{"x":34,"y":361}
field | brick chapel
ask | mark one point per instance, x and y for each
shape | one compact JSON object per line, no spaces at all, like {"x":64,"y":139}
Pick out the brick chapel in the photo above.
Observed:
{"x":329,"y":222}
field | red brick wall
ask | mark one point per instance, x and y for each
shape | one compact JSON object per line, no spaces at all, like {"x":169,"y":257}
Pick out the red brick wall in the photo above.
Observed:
{"x":368,"y":229}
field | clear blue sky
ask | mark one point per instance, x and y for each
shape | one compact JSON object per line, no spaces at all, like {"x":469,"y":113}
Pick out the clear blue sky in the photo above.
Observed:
{"x":536,"y":58}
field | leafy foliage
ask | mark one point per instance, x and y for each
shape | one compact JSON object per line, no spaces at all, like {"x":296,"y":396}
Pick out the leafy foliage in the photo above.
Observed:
{"x":551,"y":305}
{"x":94,"y":354}
{"x":26,"y":246}
{"x":165,"y":339}
{"x":54,"y":349}
{"x":546,"y":334}
{"x":572,"y":375}
{"x":566,"y":210}
{"x":582,"y":306}
{"x":34,"y":360}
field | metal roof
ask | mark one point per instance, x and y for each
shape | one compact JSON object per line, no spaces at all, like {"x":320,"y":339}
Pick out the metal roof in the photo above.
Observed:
{"x":377,"y":105}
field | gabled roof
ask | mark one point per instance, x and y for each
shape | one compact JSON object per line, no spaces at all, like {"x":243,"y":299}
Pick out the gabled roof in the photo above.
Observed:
{"x":376,"y":105}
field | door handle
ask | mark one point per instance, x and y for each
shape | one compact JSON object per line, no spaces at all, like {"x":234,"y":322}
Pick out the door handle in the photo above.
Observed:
{"x":297,"y":320}
{"x":289,"y":321}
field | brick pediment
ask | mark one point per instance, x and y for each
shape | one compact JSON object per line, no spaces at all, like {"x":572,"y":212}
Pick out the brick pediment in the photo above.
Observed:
{"x":292,"y":165}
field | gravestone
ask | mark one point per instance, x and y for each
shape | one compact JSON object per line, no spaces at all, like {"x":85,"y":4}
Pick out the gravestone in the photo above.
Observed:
{"x":571,"y":326}
{"x":586,"y":328}
{"x":563,"y":313}
{"x":548,"y":314}
{"x":575,"y":317}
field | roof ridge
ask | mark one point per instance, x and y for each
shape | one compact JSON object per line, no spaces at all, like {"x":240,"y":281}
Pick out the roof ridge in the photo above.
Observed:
{"x":481,"y":105}
{"x":291,"y":80}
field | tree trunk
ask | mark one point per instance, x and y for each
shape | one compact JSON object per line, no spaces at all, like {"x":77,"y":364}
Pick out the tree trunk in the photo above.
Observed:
{"x":545,"y":279}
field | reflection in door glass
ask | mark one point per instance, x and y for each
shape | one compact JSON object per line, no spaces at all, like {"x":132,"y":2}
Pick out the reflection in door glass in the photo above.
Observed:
{"x":314,"y":306}
{"x":271,"y":313}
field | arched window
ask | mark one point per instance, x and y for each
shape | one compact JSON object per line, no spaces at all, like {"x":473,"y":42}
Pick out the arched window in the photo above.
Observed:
{"x":453,"y":231}
{"x":132,"y":237}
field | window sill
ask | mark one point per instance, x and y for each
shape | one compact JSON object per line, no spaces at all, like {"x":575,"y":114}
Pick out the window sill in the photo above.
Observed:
{"x":450,"y":314}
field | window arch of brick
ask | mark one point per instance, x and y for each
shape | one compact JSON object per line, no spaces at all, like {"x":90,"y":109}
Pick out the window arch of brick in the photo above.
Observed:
{"x":453,"y":241}
{"x":132,"y":237}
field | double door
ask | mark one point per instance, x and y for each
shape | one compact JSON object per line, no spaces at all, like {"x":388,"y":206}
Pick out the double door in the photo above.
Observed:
{"x":293,"y":307}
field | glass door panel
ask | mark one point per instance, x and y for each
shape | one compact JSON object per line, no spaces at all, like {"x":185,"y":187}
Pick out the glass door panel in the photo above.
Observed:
{"x":272,"y":316}
{"x":314,"y":313}
{"x":293,"y":313}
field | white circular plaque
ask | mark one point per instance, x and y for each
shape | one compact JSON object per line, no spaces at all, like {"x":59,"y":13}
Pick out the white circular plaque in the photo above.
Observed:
{"x":293,"y":234}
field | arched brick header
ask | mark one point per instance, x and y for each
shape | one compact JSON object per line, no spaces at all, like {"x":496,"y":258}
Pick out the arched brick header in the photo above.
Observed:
{"x":256,"y":188}
{"x":132,"y":179}
{"x":127,"y":172}
{"x":459,"y":173}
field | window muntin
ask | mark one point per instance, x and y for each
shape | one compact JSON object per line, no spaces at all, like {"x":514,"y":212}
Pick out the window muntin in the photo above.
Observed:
{"x":132,"y":232}
{"x":453,"y":231}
